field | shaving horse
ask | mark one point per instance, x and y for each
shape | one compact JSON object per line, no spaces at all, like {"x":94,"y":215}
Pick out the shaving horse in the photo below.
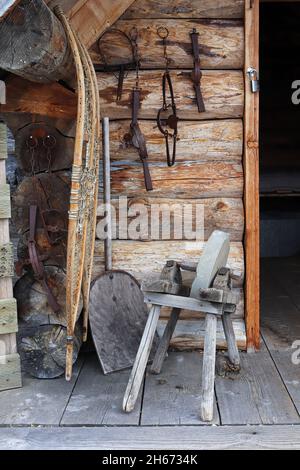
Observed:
{"x":211,"y":294}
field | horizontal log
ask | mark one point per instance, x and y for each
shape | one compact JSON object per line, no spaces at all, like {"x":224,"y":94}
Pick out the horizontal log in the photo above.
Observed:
{"x":223,"y":94}
{"x":185,"y":9}
{"x":190,"y":335}
{"x":219,"y":213}
{"x":51,"y":100}
{"x":198,"y":141}
{"x":144,"y":259}
{"x":221,"y":44}
{"x":189,"y":180}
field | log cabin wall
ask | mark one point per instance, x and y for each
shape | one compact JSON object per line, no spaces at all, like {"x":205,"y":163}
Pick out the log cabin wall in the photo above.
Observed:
{"x":209,"y":167}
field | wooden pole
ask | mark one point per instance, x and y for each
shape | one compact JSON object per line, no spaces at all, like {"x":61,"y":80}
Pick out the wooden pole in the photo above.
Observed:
{"x":10,"y":371}
{"x":251,"y":169}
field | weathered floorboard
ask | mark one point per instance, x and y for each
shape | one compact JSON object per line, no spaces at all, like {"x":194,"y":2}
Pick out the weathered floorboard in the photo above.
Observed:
{"x":153,"y":437}
{"x":185,"y":9}
{"x":257,"y":395}
{"x":38,"y":402}
{"x":198,"y":141}
{"x":97,"y":398}
{"x":221,"y":43}
{"x":223,"y":94}
{"x":289,"y":372}
{"x":174,"y":396}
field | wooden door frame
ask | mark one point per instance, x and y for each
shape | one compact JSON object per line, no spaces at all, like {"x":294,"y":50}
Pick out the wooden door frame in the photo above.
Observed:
{"x":251,"y":175}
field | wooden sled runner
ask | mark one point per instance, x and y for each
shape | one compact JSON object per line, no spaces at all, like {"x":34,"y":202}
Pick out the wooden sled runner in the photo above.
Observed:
{"x":210,"y":294}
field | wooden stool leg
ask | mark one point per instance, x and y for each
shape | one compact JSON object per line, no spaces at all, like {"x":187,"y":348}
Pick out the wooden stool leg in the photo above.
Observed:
{"x":233,"y":352}
{"x":164,"y":342}
{"x":141,"y":360}
{"x":208,"y":370}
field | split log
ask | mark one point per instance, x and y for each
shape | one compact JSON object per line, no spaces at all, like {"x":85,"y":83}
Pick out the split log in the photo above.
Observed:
{"x":33,"y":44}
{"x":49,"y":191}
{"x":93,"y":17}
{"x":191,"y":180}
{"x":223,"y":94}
{"x":43,"y":349}
{"x":33,"y":307}
{"x":218,"y":213}
{"x":185,"y":9}
{"x":221,"y":44}
{"x":53,"y":100}
{"x":127,"y":255}
{"x":53,"y":151}
{"x":198,"y":141}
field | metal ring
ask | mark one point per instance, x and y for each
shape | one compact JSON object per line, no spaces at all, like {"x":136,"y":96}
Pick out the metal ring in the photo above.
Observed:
{"x":32,"y":142}
{"x":49,"y":141}
{"x":162,"y":32}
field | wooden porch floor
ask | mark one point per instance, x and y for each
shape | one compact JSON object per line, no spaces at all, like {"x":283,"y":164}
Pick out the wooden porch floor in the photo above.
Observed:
{"x":86,"y":413}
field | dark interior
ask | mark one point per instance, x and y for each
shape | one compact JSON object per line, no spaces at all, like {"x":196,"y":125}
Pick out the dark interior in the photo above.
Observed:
{"x":279,"y":129}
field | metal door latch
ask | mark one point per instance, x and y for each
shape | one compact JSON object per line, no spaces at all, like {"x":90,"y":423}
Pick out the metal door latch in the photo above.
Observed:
{"x":253,"y":78}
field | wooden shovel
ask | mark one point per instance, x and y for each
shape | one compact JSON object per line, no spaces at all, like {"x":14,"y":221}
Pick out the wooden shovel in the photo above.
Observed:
{"x":118,"y":313}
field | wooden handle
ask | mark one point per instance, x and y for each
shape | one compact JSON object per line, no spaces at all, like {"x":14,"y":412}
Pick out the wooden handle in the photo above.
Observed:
{"x":106,"y":190}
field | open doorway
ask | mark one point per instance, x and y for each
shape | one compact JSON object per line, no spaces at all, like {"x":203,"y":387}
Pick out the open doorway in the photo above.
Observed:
{"x":280,"y":167}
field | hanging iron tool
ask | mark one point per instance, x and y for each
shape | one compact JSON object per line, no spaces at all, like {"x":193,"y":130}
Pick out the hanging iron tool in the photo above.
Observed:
{"x":50,"y":219}
{"x":120,"y":68}
{"x":196,"y":75}
{"x":172,"y":119}
{"x":135,"y":136}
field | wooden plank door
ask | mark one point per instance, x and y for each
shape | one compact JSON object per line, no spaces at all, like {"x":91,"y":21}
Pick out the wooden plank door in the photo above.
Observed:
{"x":251,"y":169}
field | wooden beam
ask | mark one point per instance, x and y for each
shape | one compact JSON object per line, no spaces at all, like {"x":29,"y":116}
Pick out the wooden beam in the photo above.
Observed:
{"x":94,"y":17}
{"x":52,"y":100}
{"x":251,"y":169}
{"x":33,"y":44}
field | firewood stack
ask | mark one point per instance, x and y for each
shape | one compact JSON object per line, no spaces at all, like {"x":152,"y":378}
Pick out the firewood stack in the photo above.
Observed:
{"x":40,"y":216}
